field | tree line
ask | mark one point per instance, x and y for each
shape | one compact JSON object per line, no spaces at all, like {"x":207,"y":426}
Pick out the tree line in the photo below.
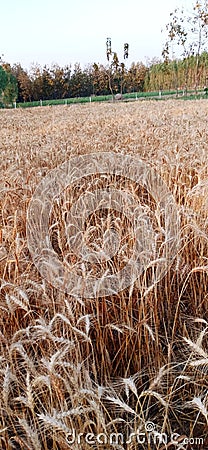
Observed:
{"x":55,"y":82}
{"x":178,"y":74}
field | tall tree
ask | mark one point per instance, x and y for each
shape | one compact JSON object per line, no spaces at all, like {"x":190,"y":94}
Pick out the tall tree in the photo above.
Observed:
{"x":116,"y":69}
{"x":190,"y":32}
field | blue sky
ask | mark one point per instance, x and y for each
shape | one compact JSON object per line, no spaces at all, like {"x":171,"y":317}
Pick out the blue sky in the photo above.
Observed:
{"x":66,"y":31}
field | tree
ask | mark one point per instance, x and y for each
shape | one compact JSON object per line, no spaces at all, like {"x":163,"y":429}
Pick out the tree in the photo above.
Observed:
{"x":36,"y":79}
{"x":8,"y":86}
{"x":190,"y":33}
{"x":11,"y":90}
{"x":99,"y":77}
{"x":67,"y":81}
{"x":3,"y":80}
{"x":77,"y":81}
{"x":47,"y":84}
{"x":58,"y":83}
{"x":135,"y":77}
{"x":24,"y":83}
{"x":115,"y":70}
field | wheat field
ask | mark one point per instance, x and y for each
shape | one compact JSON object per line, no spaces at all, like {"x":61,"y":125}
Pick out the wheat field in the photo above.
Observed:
{"x":103,"y":366}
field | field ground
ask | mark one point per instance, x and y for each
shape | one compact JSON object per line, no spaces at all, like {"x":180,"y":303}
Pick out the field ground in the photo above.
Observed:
{"x":104,"y":365}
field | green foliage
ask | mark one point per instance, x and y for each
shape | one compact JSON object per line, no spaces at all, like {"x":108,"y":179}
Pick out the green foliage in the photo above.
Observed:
{"x":178,"y":74}
{"x":11,"y":90}
{"x":3,"y":80}
{"x":8,"y":87}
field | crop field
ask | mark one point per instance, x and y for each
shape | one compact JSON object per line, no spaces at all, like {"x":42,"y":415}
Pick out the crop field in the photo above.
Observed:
{"x":104,"y":367}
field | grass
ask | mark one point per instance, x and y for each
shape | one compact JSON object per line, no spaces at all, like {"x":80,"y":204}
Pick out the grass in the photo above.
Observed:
{"x":103,"y":98}
{"x":104,"y":365}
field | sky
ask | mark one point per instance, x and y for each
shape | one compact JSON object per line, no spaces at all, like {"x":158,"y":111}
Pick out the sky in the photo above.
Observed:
{"x":70,"y":31}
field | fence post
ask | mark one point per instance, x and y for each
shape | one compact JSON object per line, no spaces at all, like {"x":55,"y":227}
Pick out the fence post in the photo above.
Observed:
{"x":66,"y":101}
{"x":41,"y":103}
{"x":15,"y":105}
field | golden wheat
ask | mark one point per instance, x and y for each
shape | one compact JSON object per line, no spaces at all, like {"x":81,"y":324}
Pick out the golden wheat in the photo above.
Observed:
{"x":103,"y":365}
